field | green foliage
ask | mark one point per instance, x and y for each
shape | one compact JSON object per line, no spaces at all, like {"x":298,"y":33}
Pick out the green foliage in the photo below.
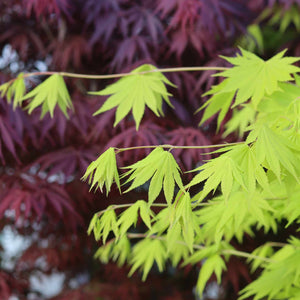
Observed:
{"x":250,"y":78}
{"x":249,"y":185}
{"x":246,"y":186}
{"x":14,"y":90}
{"x":48,"y":94}
{"x":103,"y":171}
{"x":135,"y":92}
{"x":280,"y":278}
{"x":163,"y":170}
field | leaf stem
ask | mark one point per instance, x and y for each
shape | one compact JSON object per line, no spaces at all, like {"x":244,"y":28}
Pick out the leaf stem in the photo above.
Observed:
{"x":118,"y":150}
{"x":118,"y":75}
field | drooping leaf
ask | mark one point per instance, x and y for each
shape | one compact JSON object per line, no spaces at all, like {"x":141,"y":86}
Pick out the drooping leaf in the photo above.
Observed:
{"x":159,"y":165}
{"x":103,"y":171}
{"x":14,"y":91}
{"x":214,"y":264}
{"x":280,"y":279}
{"x":48,"y":94}
{"x":135,"y":92}
{"x":274,"y":151}
{"x":145,"y":253}
{"x":221,"y":170}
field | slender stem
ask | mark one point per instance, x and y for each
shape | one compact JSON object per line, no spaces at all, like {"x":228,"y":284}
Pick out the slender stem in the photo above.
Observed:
{"x":109,"y":76}
{"x":246,"y":255}
{"x":277,"y":244}
{"x":118,"y":150}
{"x":117,"y":206}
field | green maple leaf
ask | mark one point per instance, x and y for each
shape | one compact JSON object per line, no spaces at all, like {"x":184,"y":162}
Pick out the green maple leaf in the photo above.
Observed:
{"x":103,"y":171}
{"x":221,"y":170}
{"x":250,"y":78}
{"x":163,"y":170}
{"x":14,"y":90}
{"x":135,"y":92}
{"x":48,"y":94}
{"x":145,"y":253}
{"x":253,"y":78}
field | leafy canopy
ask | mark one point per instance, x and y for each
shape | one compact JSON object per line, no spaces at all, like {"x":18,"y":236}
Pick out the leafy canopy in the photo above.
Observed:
{"x":246,"y":186}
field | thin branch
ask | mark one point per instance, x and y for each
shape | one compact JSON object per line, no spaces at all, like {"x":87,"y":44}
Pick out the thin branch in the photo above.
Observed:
{"x":118,"y":75}
{"x":118,"y":150}
{"x":117,"y":206}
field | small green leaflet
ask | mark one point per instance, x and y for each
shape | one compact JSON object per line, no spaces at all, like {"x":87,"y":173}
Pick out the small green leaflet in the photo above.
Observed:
{"x":185,"y":217}
{"x":48,"y":94}
{"x":264,"y":251}
{"x":221,"y":170}
{"x":274,"y":151}
{"x":162,"y":167}
{"x":135,"y":92}
{"x":130,"y":215}
{"x":145,"y":253}
{"x":219,"y":102}
{"x":253,"y":78}
{"x":14,"y":90}
{"x":240,"y":120}
{"x":103,"y":171}
{"x":104,"y":224}
{"x":117,"y":250}
{"x":213,"y":264}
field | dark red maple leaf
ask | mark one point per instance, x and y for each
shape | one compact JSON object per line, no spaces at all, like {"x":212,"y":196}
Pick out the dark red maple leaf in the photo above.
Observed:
{"x":31,"y":197}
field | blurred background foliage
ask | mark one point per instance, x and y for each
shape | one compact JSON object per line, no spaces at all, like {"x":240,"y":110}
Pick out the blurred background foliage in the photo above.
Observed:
{"x":44,"y":207}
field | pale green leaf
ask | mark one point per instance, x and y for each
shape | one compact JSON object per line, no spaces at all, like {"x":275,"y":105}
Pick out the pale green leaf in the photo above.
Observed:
{"x":159,"y":166}
{"x":213,"y":264}
{"x":49,"y":94}
{"x":136,"y":92}
{"x":253,"y":78}
{"x":145,"y":253}
{"x":103,"y":171}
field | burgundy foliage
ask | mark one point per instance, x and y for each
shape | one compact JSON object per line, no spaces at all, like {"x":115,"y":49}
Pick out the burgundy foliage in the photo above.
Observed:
{"x":42,"y":161}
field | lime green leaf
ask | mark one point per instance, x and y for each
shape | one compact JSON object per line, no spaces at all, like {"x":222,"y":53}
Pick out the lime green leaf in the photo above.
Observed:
{"x":135,"y":92}
{"x":173,"y":236}
{"x":162,"y":167}
{"x":250,"y":167}
{"x":213,"y":264}
{"x":235,"y":216}
{"x":274,"y":151}
{"x":264,"y":251}
{"x":104,"y":224}
{"x":104,"y":253}
{"x":145,"y":213}
{"x":128,"y":218}
{"x":103,"y":171}
{"x":121,"y":250}
{"x":145,"y":253}
{"x":240,"y":120}
{"x":51,"y":92}
{"x":221,"y":170}
{"x":219,"y":102}
{"x":14,"y":90}
{"x":253,"y":78}
{"x":279,"y":279}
